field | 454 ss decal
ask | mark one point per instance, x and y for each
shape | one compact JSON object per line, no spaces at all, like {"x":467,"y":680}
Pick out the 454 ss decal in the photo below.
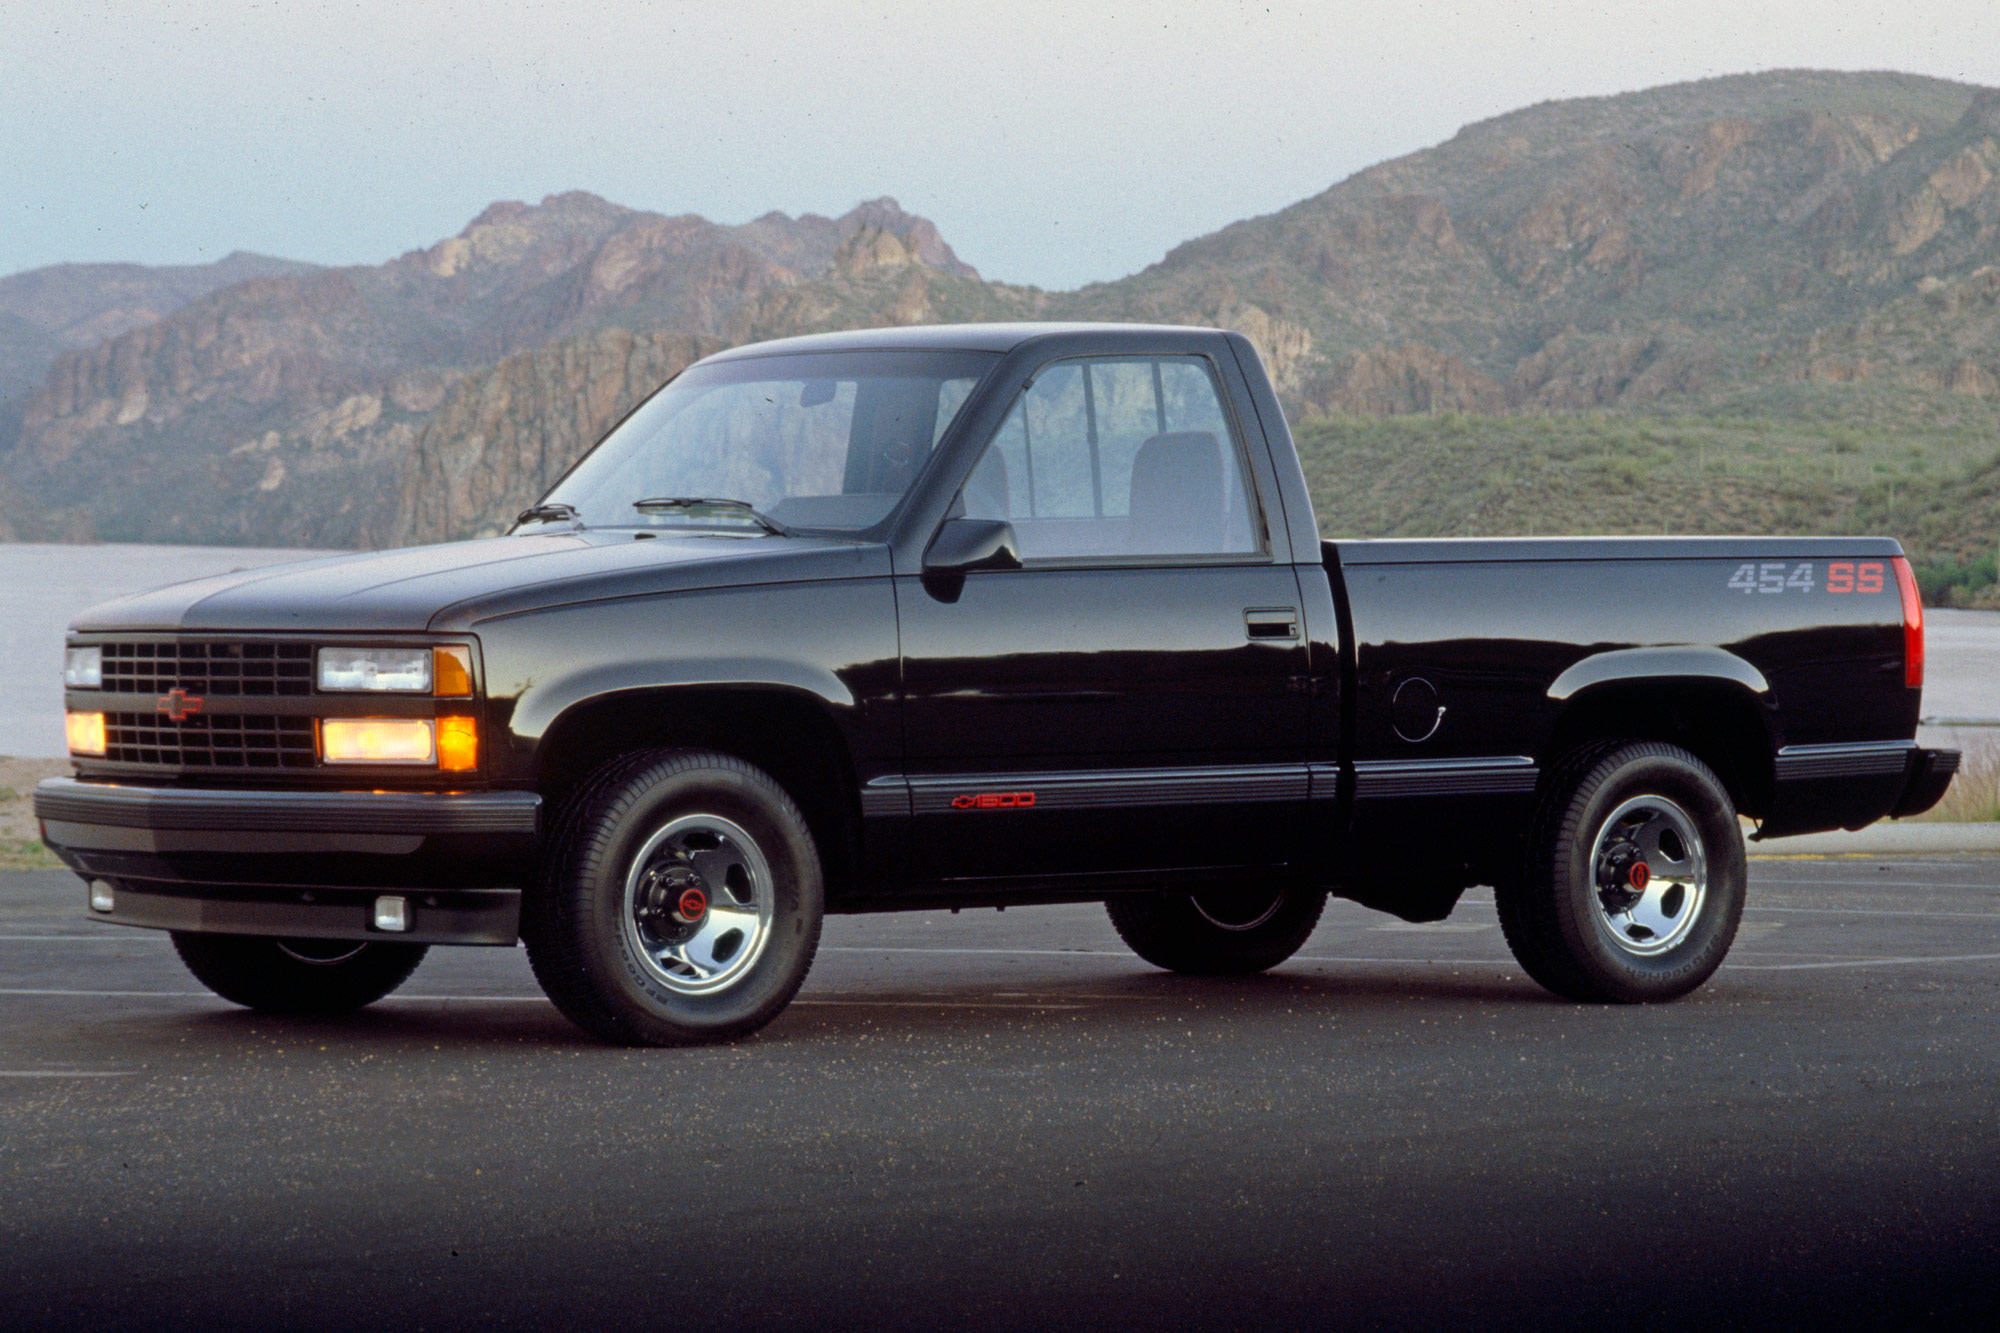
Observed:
{"x":1782,"y":576}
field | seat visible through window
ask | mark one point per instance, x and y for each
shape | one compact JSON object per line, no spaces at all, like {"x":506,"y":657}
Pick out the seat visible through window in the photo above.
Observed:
{"x":1177,"y":494}
{"x":1117,"y":457}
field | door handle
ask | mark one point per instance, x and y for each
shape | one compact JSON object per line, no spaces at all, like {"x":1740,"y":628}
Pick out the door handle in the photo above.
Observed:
{"x":1280,"y":622}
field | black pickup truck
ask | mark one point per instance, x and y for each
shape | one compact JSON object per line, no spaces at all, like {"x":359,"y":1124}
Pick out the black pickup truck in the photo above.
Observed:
{"x":956,"y":616}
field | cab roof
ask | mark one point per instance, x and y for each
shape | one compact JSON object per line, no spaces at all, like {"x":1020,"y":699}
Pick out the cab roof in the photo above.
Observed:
{"x":942,"y":337}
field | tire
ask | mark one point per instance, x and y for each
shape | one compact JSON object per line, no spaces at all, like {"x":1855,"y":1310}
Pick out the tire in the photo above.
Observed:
{"x":307,"y":977}
{"x":681,"y":901}
{"x":1228,"y":931}
{"x":1584,"y":918}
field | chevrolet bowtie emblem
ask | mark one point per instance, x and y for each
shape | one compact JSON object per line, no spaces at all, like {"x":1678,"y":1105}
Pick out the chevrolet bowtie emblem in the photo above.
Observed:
{"x":178,"y":704}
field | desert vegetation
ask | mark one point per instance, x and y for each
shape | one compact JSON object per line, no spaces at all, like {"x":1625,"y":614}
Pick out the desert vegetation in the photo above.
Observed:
{"x":1932,"y":480}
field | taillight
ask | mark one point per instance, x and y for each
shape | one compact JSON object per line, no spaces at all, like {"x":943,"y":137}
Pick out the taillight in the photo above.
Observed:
{"x":1913,"y":624}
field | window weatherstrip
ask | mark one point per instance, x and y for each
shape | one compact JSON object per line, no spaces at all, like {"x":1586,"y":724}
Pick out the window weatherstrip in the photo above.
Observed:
{"x":1027,"y":455}
{"x":1090,"y":434}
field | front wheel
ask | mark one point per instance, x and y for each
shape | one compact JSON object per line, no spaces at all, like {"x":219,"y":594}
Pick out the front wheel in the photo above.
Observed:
{"x":1634,"y":881}
{"x":681,"y":903}
{"x":281,"y":976}
{"x":1229,"y":930}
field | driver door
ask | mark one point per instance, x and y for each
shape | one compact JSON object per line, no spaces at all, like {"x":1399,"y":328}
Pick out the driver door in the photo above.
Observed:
{"x":1128,"y":700}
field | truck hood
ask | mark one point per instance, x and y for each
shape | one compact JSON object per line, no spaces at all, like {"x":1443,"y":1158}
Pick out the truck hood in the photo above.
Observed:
{"x":457,"y":585}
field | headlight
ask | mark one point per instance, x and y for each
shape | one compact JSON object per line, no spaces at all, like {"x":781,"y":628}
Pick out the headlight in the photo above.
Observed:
{"x":405,"y":670}
{"x":377,"y":740}
{"x":445,"y":671}
{"x":83,"y":668}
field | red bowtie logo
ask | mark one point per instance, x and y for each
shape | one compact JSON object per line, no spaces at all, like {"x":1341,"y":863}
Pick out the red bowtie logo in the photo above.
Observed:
{"x":178,"y":704}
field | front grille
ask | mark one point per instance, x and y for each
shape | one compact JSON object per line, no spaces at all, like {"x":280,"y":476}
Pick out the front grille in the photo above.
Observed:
{"x":221,"y":740}
{"x":205,"y":668}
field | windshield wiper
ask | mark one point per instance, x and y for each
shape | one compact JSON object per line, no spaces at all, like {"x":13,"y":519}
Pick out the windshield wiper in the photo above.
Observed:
{"x":688,"y":504}
{"x":548,"y":513}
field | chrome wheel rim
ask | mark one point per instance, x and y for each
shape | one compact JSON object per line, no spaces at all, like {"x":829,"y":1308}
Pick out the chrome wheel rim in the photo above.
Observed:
{"x":1649,"y":875}
{"x":1238,"y":911}
{"x":699,"y":904}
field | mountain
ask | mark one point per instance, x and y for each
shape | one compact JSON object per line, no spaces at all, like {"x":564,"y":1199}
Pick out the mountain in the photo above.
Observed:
{"x":284,"y":408}
{"x":1768,"y":299}
{"x":46,"y":311}
{"x":1691,"y":244}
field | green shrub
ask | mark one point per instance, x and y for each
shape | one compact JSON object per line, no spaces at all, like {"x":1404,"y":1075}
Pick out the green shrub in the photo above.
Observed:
{"x":1947,"y":582}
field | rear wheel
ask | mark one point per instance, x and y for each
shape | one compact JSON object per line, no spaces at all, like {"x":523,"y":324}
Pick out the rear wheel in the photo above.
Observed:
{"x":681,"y":904}
{"x":1634,"y":882}
{"x":1229,"y":930}
{"x":282,"y":976}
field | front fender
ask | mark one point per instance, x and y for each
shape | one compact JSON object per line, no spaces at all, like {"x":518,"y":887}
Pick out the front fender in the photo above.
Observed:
{"x":536,"y":711}
{"x":834,"y":642}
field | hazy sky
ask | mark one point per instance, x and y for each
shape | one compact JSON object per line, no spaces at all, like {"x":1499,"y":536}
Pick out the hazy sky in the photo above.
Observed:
{"x":1052,"y":143}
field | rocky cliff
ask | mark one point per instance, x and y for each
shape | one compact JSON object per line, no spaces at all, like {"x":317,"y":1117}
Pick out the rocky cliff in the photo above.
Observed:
{"x":46,"y":311}
{"x":504,"y":435}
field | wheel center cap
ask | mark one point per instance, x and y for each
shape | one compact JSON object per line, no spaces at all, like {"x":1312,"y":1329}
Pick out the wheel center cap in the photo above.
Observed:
{"x":691,"y":906}
{"x":1622,"y":878}
{"x":675,"y":897}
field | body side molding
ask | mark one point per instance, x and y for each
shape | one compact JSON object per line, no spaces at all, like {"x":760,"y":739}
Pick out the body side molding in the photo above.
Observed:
{"x":1498,"y":775}
{"x":1090,"y":789}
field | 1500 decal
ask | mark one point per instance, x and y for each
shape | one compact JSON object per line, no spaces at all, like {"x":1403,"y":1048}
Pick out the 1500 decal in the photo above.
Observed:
{"x":1782,"y":576}
{"x":994,"y":800}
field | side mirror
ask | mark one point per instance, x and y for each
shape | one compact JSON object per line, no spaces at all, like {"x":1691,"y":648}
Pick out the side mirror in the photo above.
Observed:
{"x":963,"y":545}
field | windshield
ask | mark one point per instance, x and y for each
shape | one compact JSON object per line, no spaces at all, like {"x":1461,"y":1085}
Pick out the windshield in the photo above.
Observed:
{"x":827,"y":440}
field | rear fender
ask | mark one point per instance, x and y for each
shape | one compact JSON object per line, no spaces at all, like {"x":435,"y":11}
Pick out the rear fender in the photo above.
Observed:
{"x":1705,"y":699}
{"x":1677,"y":662}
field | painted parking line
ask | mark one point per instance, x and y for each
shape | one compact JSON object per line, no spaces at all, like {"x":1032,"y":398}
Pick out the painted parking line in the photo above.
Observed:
{"x":1782,"y":910}
{"x":1877,"y":911}
{"x":67,"y":1073}
{"x":38,"y":991}
{"x":1404,"y":961}
{"x":820,"y":1001}
{"x":120,"y":937}
{"x":1970,"y":861}
{"x":852,"y":1002}
{"x":1912,"y":960}
{"x":943,"y":949}
{"x":1849,"y":885}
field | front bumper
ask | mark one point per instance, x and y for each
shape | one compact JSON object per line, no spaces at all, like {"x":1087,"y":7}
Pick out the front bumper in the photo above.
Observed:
{"x":298,"y":863}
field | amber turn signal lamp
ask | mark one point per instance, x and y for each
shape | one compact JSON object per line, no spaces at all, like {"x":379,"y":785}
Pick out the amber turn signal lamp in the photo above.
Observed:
{"x":376,"y":740}
{"x":458,"y":744}
{"x":86,"y":732}
{"x":451,"y":672}
{"x":1913,"y":624}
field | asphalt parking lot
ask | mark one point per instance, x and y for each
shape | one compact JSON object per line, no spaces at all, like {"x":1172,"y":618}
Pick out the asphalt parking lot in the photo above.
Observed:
{"x":1006,"y":1119}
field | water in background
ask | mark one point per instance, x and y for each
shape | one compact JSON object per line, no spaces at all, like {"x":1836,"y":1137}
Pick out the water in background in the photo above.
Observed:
{"x":42,"y":588}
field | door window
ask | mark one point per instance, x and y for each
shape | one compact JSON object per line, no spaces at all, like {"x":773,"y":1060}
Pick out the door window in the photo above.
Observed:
{"x":1118,"y":457}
